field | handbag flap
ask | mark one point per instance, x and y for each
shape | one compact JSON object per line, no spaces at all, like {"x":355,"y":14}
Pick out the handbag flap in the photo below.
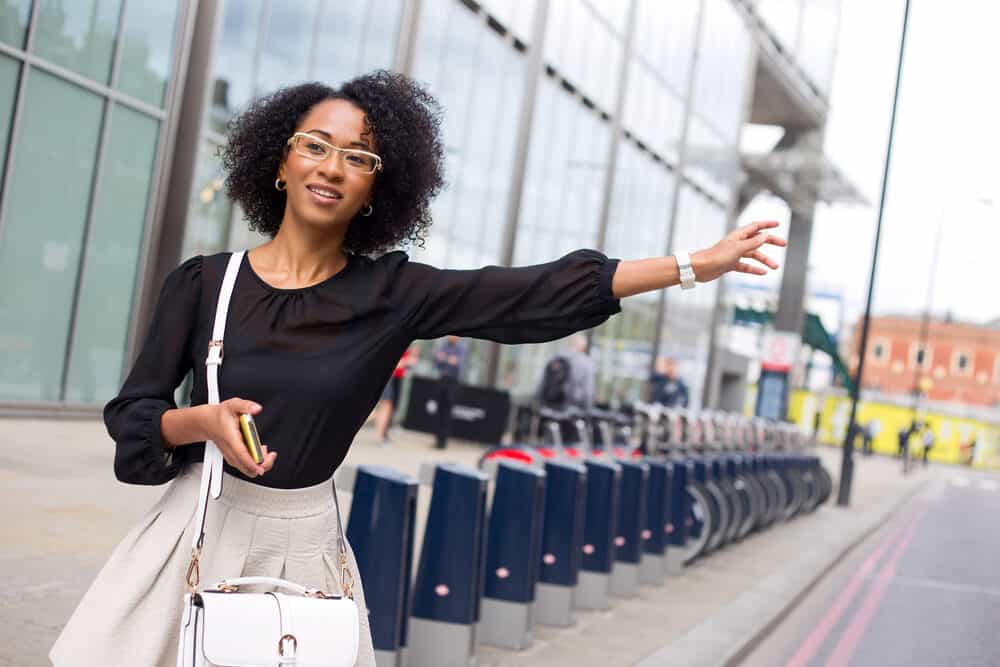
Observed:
{"x":244,"y":630}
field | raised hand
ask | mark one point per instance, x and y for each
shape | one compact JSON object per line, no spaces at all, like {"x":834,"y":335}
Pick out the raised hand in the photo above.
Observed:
{"x":729,"y":254}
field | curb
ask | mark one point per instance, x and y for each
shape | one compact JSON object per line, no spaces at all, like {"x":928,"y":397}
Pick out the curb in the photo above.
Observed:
{"x":728,"y":637}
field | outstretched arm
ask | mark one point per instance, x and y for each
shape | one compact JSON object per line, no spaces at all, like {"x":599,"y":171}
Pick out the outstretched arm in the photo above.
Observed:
{"x":644,"y":275}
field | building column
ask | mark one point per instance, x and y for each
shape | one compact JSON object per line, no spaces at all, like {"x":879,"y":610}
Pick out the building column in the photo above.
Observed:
{"x":165,"y":236}
{"x":534,"y":67}
{"x":792,"y":295}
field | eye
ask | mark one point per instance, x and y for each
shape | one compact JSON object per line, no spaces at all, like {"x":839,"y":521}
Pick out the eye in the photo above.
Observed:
{"x":357,"y":160}
{"x":315,"y":148}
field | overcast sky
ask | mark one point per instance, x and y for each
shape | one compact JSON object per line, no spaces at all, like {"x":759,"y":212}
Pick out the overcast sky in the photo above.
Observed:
{"x":944,"y":162}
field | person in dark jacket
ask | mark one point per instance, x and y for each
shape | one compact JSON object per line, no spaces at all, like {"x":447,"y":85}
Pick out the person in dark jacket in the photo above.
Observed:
{"x":666,"y":387}
{"x":449,"y":359}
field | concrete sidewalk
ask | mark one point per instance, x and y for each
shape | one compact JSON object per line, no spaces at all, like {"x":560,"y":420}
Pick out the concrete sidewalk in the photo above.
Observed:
{"x":65,"y":512}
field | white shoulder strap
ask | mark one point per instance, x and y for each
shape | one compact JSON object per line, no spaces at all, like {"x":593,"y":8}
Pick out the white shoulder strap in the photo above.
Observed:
{"x":211,"y":474}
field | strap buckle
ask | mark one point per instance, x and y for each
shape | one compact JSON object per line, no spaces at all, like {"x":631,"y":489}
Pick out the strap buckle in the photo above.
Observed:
{"x":193,"y":577}
{"x":346,"y":577}
{"x":214,"y":353}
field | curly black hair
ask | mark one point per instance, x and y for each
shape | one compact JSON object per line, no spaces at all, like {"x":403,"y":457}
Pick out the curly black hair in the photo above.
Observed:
{"x":406,"y":123}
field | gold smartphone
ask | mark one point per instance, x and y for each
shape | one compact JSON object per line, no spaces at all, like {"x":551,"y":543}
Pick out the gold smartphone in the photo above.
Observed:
{"x":252,"y":438}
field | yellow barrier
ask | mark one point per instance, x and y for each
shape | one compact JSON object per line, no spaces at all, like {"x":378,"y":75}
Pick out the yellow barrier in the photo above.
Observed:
{"x":952,"y":435}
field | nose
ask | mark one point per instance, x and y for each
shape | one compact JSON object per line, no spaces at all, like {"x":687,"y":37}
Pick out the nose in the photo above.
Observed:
{"x":332,"y":168}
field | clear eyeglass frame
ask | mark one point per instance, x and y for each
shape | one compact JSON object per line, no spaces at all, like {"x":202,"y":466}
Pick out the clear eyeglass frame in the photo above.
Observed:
{"x":318,"y":150}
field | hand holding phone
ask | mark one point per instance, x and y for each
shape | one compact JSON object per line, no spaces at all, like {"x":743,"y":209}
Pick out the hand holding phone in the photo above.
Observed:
{"x":251,"y":438}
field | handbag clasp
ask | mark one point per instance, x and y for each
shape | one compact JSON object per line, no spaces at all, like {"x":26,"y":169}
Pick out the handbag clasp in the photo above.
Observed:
{"x":283,"y":642}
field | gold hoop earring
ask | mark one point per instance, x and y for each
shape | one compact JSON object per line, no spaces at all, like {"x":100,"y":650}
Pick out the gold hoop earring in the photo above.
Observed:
{"x":369,"y":211}
{"x":280,"y":185}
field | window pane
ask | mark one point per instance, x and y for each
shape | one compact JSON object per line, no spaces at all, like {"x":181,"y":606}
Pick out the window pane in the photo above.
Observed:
{"x":378,"y":42}
{"x":50,"y":184}
{"x":8,"y":89}
{"x":148,"y":49}
{"x":284,"y":58}
{"x":234,"y":56}
{"x":14,"y":21}
{"x":209,"y":210}
{"x":111,"y":256}
{"x":78,"y":35}
{"x":338,"y":49}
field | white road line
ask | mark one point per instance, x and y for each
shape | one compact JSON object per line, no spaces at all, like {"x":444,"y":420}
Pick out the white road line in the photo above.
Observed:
{"x":957,"y":480}
{"x":989,"y":484}
{"x":920,"y":582}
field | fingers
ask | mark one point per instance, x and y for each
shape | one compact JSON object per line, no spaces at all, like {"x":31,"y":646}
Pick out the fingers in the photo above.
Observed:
{"x":239,"y":405}
{"x":755,"y":242}
{"x":236,"y":455}
{"x":762,"y":258}
{"x":269,"y":458}
{"x":754,"y":228}
{"x":743,"y":267}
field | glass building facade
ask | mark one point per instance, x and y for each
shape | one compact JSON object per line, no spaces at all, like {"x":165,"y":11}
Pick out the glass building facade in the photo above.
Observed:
{"x":617,"y":130}
{"x":86,"y":89}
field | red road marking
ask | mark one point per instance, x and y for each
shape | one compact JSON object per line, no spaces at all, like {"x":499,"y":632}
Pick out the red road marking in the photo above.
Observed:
{"x":808,"y":648}
{"x":849,"y":641}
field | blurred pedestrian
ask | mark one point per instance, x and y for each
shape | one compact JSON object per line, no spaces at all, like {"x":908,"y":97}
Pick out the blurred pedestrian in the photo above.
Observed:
{"x":928,"y":442}
{"x":390,"y":394}
{"x":870,"y":432}
{"x":449,"y":359}
{"x":666,"y":388}
{"x":568,"y":378}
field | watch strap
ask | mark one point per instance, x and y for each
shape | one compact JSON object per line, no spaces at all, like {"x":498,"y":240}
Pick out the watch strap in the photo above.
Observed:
{"x":687,"y":276}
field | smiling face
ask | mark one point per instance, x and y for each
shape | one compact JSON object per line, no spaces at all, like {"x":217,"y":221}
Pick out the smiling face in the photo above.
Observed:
{"x":328,"y":192}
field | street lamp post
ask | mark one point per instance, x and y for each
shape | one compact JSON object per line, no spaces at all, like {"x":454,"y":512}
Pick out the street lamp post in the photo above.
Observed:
{"x":847,"y":460}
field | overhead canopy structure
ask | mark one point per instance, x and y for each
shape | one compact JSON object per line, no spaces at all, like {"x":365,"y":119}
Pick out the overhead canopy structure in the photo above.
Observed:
{"x":783,"y":94}
{"x":801,"y":175}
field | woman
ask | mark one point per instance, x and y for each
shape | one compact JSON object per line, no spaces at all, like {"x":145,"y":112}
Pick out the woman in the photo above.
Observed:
{"x":390,"y":394}
{"x":316,"y":324}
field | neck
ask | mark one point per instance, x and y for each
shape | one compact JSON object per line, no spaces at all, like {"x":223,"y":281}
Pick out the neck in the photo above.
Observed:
{"x":302,"y":254}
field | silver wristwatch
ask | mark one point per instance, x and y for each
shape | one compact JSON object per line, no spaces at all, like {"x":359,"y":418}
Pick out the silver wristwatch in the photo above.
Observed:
{"x":684,"y":264}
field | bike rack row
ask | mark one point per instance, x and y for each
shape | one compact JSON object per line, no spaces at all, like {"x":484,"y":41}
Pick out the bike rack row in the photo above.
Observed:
{"x":569,"y":524}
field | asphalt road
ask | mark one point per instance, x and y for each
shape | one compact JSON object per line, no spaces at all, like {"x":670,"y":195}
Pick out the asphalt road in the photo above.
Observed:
{"x":922,"y":590}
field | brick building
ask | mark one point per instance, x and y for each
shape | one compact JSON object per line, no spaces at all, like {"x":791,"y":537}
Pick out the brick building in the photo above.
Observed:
{"x":961,"y":362}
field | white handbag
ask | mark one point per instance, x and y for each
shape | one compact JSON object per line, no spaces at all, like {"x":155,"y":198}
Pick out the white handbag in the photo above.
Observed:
{"x":225,"y":627}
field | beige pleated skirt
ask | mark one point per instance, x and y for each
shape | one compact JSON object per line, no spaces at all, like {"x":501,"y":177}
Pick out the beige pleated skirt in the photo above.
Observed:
{"x":131,"y":613}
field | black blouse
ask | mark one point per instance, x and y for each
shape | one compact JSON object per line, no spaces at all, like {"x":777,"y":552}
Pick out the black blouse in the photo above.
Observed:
{"x":317,"y":358}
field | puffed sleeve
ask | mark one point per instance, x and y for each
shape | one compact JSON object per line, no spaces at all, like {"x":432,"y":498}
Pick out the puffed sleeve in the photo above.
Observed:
{"x":528,"y":304}
{"x":133,"y":417}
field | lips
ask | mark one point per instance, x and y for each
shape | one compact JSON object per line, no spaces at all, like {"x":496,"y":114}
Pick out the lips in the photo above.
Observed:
{"x":325,"y":192}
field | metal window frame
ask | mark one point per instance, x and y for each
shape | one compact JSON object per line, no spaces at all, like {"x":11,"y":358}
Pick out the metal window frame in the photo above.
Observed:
{"x":95,"y":186}
{"x":711,"y":388}
{"x":15,"y":116}
{"x":617,"y":133}
{"x":406,"y":37}
{"x":680,"y":180}
{"x":104,"y":90}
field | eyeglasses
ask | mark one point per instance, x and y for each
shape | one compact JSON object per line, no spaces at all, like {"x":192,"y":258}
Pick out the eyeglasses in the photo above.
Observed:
{"x":310,"y":147}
